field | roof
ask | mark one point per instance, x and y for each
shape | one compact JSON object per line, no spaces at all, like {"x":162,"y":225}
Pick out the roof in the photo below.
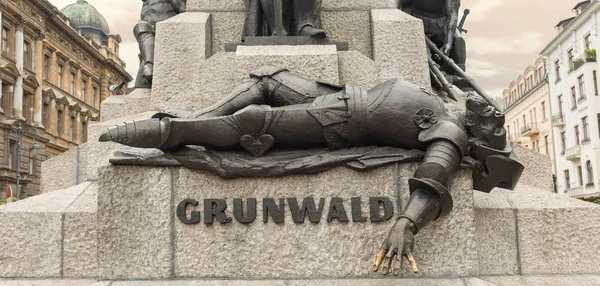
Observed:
{"x":83,"y":15}
{"x":564,"y":22}
{"x":582,"y":4}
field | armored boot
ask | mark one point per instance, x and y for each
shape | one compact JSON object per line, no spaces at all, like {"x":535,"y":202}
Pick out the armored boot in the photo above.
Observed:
{"x":306,"y":17}
{"x":147,"y":133}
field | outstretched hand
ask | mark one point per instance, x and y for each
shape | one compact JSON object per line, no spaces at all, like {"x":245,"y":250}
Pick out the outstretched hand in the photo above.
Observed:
{"x":399,"y":244}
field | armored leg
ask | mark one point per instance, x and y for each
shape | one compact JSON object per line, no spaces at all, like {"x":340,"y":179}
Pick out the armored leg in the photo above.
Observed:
{"x":145,"y":35}
{"x":306,"y":18}
{"x":268,"y":85}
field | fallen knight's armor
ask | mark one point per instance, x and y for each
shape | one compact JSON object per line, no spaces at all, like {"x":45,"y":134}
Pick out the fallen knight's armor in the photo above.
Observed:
{"x":277,"y":108}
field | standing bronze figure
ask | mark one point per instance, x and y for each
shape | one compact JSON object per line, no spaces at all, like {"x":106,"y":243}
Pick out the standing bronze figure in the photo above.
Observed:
{"x":282,"y":18}
{"x":440,"y":18}
{"x":277,"y":109}
{"x":153,"y":11}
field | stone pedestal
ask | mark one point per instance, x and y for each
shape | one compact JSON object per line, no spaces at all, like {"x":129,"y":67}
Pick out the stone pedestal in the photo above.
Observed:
{"x":141,"y":237}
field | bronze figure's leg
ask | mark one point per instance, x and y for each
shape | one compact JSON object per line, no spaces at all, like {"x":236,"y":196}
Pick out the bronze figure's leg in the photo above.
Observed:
{"x":269,"y":85}
{"x":144,"y":34}
{"x":255,"y":128}
{"x":305,"y":15}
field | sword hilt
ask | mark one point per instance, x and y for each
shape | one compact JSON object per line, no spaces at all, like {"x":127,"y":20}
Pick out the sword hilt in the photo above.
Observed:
{"x":462,"y":21}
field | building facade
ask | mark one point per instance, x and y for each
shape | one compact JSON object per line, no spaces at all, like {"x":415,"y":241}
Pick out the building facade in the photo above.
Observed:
{"x":575,"y":102}
{"x":53,"y":78}
{"x":527,"y":109}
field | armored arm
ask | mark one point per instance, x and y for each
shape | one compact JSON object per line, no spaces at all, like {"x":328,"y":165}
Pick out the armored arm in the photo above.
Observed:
{"x":451,"y":11}
{"x":429,"y":199}
{"x":179,"y":5}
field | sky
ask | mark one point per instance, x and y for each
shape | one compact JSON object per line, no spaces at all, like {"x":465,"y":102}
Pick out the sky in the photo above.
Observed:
{"x":505,"y":36}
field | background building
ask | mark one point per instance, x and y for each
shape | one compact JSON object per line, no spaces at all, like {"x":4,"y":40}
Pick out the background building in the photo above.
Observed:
{"x":575,"y":101}
{"x":527,"y":108}
{"x":54,"y":77}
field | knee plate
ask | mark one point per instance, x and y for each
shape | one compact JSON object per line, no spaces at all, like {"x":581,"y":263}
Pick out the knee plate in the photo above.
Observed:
{"x":143,"y":27}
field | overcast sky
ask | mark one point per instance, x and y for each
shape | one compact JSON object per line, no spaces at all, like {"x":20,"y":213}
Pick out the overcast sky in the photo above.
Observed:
{"x":505,"y":36}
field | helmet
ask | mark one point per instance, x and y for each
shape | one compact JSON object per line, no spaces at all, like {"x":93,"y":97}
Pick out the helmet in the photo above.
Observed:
{"x":499,"y":168}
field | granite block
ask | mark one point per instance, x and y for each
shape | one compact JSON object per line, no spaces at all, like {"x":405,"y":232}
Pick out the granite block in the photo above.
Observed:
{"x":495,"y":221}
{"x":399,"y":46}
{"x":538,"y":169}
{"x":182,"y":44}
{"x":238,"y":5}
{"x":326,"y":250}
{"x":80,"y":254}
{"x":138,"y":101}
{"x":352,"y":27}
{"x":557,"y":234}
{"x":134,"y":214}
{"x":112,"y":107}
{"x":50,"y":282}
{"x":571,"y":280}
{"x":357,"y":69}
{"x":59,"y":172}
{"x":227,"y":27}
{"x":31,"y":240}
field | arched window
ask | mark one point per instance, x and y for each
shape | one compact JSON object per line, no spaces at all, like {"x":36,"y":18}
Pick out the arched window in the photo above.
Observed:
{"x":590,"y":171}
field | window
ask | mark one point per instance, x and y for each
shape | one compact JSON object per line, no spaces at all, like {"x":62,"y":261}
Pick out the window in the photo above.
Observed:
{"x":95,"y":96}
{"x":5,"y":90}
{"x":12,"y":155}
{"x":521,"y":90}
{"x":46,"y":115}
{"x":547,"y":147}
{"x":508,"y":130}
{"x":72,"y":129}
{"x":537,"y":146}
{"x":61,"y":70}
{"x":83,"y":132}
{"x":590,"y":173}
{"x":27,"y":55}
{"x":567,"y":180}
{"x":585,"y":126}
{"x":595,"y":83}
{"x":573,"y":98}
{"x":31,"y":162}
{"x":563,"y":141}
{"x":84,"y":89}
{"x":72,"y":83}
{"x":46,"y":67}
{"x":28,"y":107}
{"x":533,"y":147}
{"x":540,"y":73}
{"x":5,"y":41}
{"x":560,"y":105}
{"x":586,"y":42}
{"x":598,"y":118}
{"x":581,"y":83}
{"x":60,"y":122}
{"x":570,"y":56}
{"x":544,"y":110}
{"x":577,"y":135}
{"x":580,"y":175}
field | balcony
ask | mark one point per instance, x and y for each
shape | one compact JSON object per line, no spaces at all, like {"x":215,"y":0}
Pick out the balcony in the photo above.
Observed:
{"x":588,"y":57}
{"x":573,"y":153}
{"x":529,"y":130}
{"x":558,"y":120}
{"x":586,"y":141}
{"x":575,"y":192}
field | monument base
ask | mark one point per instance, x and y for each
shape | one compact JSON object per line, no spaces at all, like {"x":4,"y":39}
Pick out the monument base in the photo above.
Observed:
{"x":285,"y":41}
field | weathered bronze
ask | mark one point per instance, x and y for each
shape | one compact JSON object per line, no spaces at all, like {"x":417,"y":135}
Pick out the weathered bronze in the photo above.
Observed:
{"x":282,"y":18}
{"x":153,"y":11}
{"x":277,"y":109}
{"x":440,"y":18}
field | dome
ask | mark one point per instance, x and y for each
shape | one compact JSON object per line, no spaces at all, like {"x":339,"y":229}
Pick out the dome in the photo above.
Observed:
{"x":86,"y":17}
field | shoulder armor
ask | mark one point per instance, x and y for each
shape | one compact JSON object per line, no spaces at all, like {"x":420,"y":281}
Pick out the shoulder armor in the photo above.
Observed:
{"x":446,"y":130}
{"x":266,"y":71}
